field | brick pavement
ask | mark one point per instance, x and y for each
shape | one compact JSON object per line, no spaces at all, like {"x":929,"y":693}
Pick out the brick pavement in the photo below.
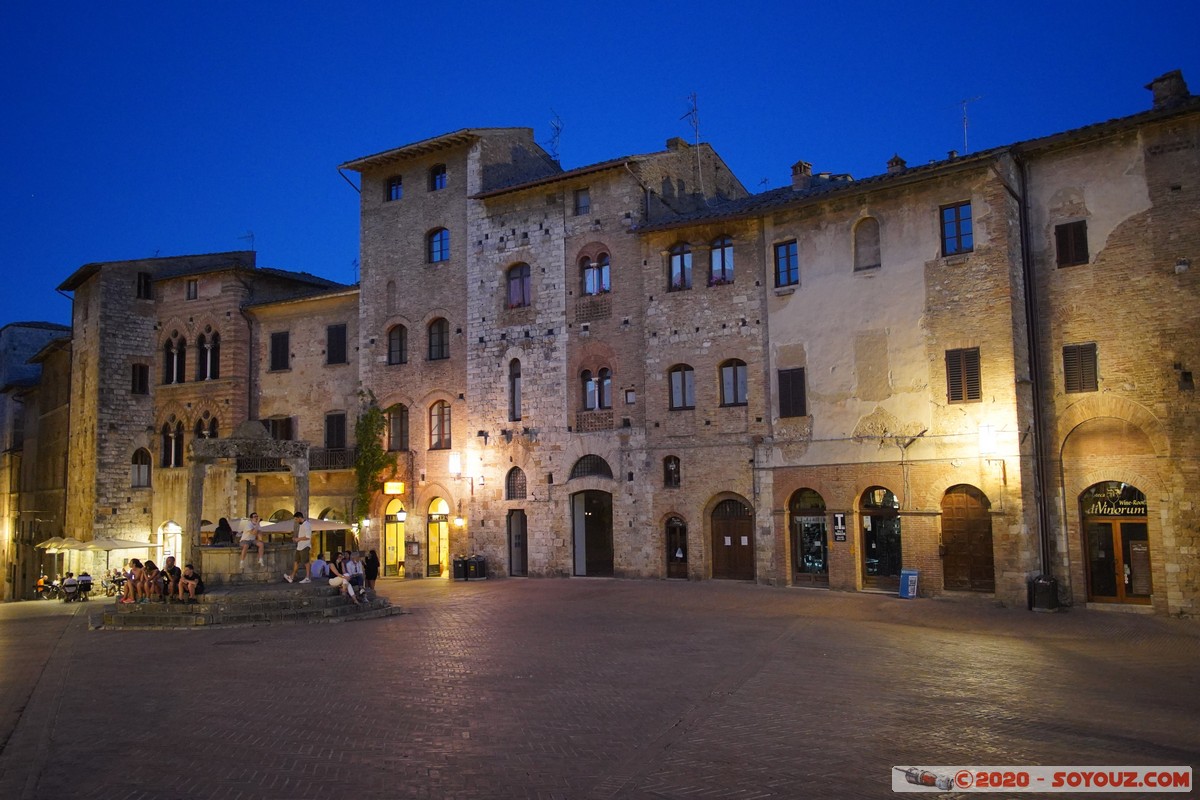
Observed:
{"x":587,"y":688}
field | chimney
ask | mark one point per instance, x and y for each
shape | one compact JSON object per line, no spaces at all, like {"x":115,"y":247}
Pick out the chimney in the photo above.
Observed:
{"x":951,"y":155}
{"x":896,"y":164}
{"x":801,"y":175}
{"x":676,"y":143}
{"x":1169,"y":90}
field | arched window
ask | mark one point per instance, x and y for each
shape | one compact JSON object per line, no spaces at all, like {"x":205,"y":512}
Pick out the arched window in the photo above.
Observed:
{"x":733,"y":383}
{"x":439,"y":426}
{"x":397,"y":345}
{"x":591,"y":466}
{"x":866,"y":244}
{"x":683,"y":386}
{"x":514,"y":390}
{"x":201,"y":430}
{"x":397,"y":430}
{"x":681,"y":268}
{"x":174,"y":359}
{"x":671,"y":477}
{"x":172,"y":443}
{"x":439,"y":339}
{"x":721,"y":261}
{"x":208,"y":355}
{"x":589,"y":390}
{"x":438,"y":245}
{"x":514,"y":484}
{"x":437,"y":177}
{"x":596,"y":274}
{"x":520,"y":290}
{"x":604,"y":388}
{"x":139,"y":471}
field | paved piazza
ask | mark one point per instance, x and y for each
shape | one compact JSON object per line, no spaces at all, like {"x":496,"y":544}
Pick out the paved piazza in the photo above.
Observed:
{"x":588,"y":688}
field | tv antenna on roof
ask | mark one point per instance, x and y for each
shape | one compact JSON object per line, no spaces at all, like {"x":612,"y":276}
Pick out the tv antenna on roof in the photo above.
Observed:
{"x":556,"y":127}
{"x":963,"y":104}
{"x":248,"y":237}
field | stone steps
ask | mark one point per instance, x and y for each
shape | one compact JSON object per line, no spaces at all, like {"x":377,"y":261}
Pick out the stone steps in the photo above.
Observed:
{"x":245,"y":605}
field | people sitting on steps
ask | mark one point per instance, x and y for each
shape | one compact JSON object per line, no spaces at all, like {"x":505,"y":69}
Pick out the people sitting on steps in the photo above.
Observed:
{"x":190,"y":584}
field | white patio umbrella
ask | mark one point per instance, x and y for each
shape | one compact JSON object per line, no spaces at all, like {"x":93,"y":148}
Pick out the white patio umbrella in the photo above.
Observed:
{"x":108,"y":544}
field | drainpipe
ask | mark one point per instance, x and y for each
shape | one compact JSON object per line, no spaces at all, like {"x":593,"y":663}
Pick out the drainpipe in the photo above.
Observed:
{"x":1035,"y":379}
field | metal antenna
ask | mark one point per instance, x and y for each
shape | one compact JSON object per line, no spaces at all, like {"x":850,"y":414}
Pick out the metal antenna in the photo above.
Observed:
{"x":556,"y":125}
{"x":248,"y":237}
{"x":963,"y":104}
{"x":693,"y":118}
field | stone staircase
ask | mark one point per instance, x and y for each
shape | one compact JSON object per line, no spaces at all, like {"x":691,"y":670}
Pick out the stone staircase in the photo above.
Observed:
{"x":245,"y":605}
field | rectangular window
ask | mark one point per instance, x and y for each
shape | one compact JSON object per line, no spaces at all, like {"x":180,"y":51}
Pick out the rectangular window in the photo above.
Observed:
{"x":141,"y":379}
{"x":1079,"y":367}
{"x":962,"y":376}
{"x":335,"y":431}
{"x":280,"y":428}
{"x":787,"y":264}
{"x":335,"y":344}
{"x":394,"y":189}
{"x":280,"y":345}
{"x":398,"y":429}
{"x":792,"y":402}
{"x":583,"y":202}
{"x":143,"y":286}
{"x":193,"y":288}
{"x":1071,"y":243}
{"x":957,"y":234}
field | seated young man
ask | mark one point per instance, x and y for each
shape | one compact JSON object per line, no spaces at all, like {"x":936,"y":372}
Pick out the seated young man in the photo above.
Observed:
{"x":319,"y":568}
{"x":190,"y":584}
{"x":70,"y":588}
{"x":170,"y":578}
{"x":85,"y":585}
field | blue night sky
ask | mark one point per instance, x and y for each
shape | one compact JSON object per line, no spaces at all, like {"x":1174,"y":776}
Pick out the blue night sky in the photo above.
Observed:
{"x":132,"y":129}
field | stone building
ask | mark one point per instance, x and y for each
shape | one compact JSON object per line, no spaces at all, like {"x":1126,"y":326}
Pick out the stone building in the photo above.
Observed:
{"x":979,"y":369}
{"x":26,"y":516}
{"x":162,"y":355}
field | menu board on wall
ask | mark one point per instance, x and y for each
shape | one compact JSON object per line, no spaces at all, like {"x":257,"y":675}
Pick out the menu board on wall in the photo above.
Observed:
{"x":1139,"y":568}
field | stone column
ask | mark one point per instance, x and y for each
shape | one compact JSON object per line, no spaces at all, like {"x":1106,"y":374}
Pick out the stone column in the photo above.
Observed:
{"x":299,"y":469}
{"x":195,"y":504}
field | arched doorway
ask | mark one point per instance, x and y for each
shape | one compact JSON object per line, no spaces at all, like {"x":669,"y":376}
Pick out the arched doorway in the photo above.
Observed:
{"x":881,"y":551}
{"x":591,"y":524}
{"x":518,"y":544}
{"x":968,"y":564}
{"x":437,"y":550}
{"x":1117,"y":543}
{"x":394,"y":517}
{"x":676,"y":539}
{"x":810,"y":543}
{"x":733,"y":541}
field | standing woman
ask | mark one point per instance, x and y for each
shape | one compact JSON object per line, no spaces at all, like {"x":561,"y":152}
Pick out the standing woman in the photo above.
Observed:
{"x":371,"y":568}
{"x":252,"y":535}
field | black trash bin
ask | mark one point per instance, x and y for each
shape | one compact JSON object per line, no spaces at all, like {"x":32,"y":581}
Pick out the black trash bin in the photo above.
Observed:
{"x":459,"y":566}
{"x":476,"y":568}
{"x":1043,"y":593}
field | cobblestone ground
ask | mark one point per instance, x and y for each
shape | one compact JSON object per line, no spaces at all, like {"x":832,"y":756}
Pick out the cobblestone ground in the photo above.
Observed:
{"x":587,"y":688}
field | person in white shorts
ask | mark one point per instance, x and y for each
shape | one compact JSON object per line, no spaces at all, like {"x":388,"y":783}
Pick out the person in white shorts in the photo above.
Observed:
{"x":251,"y":535}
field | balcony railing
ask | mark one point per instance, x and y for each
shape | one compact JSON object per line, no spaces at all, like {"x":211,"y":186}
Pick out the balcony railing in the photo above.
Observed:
{"x":260,"y":464}
{"x":332,"y":458}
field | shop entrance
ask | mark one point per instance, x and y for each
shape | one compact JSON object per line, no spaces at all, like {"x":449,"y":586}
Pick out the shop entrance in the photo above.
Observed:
{"x":518,"y":551}
{"x":438,"y":535}
{"x":591,"y":523}
{"x":968,"y":564}
{"x":394,"y":517}
{"x":1117,"y":543}
{"x":810,"y":544}
{"x":881,"y":550}
{"x":733,"y":541}
{"x":676,"y":538}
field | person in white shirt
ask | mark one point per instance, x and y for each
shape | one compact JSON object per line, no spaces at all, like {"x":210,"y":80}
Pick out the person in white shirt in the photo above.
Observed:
{"x":354,"y":570}
{"x":251,"y":535}
{"x":303,"y":539}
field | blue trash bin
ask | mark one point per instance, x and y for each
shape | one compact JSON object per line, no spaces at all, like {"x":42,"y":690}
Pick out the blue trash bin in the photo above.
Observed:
{"x":908,"y":583}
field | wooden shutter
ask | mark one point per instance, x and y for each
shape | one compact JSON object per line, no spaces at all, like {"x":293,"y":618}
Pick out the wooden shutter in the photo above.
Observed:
{"x":792,"y":401}
{"x":963,"y":383}
{"x":1079,"y":367}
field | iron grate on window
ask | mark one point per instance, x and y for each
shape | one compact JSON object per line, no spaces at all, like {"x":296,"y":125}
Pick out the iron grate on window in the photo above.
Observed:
{"x":591,"y":465}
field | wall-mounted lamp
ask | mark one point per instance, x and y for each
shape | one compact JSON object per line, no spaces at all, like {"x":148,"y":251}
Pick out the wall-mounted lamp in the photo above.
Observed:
{"x":454,"y":465}
{"x":366,"y":523}
{"x":987,"y":441}
{"x":458,"y":518}
{"x":1182,"y":265}
{"x":401,"y":515}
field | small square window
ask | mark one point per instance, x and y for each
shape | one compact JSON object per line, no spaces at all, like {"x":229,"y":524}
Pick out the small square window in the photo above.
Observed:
{"x":193,"y":288}
{"x":141,"y":379}
{"x":394,"y":189}
{"x":1071,"y":243}
{"x":143,"y":286}
{"x":583,"y":202}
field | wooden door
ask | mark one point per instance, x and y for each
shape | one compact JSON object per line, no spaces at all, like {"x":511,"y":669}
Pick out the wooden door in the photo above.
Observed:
{"x":733,"y":541}
{"x":968,"y":564}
